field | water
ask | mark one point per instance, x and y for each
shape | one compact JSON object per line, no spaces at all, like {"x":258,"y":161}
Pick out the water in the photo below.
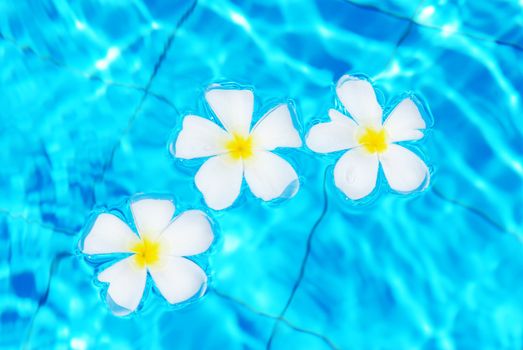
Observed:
{"x":91,"y":90}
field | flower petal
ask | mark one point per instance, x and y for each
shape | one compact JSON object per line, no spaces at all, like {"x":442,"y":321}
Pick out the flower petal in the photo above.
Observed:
{"x":219,"y":179}
{"x":404,"y":170}
{"x":189,"y":234}
{"x":233,"y":107}
{"x":126,"y":283}
{"x":151,"y":216}
{"x":359,"y":99}
{"x":268,"y":175}
{"x":276,"y":129}
{"x":109,"y":234}
{"x":336,"y":135}
{"x":356,"y":172}
{"x":198,"y":138}
{"x":178,"y":279}
{"x":404,"y":122}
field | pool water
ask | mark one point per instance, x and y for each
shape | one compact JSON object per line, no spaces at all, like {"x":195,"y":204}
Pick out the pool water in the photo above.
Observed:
{"x":90,"y":92}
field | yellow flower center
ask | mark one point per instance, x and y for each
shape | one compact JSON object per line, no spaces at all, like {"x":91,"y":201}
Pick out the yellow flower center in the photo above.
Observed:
{"x":146,"y":252}
{"x":239,"y":147}
{"x":374,"y":141}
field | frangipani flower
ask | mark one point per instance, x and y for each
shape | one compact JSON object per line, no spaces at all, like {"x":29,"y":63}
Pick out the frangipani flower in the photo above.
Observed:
{"x":371,"y":141}
{"x":158,"y":249}
{"x":236,"y":150}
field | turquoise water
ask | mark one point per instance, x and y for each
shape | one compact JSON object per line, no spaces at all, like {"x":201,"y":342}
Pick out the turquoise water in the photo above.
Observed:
{"x":90,"y":92}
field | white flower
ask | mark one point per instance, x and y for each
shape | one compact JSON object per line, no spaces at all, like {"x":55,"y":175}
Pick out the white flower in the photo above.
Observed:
{"x":158,"y":249}
{"x":236,"y":150}
{"x":370,"y":141}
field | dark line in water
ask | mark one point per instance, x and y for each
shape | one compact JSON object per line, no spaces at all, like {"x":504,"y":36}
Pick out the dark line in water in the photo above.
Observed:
{"x":403,"y":37}
{"x":306,"y":331}
{"x":475,"y":211}
{"x":28,"y":50}
{"x":477,"y":37}
{"x":43,"y":298}
{"x":32,"y":221}
{"x":153,"y":75}
{"x":405,"y":33}
{"x":242,"y":303}
{"x":161,"y":59}
{"x":304,"y":260}
{"x":473,"y":36}
{"x":164,"y":100}
{"x":169,"y":42}
{"x":284,"y":320}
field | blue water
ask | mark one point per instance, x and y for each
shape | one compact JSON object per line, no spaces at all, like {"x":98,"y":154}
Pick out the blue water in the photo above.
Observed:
{"x":90,"y":91}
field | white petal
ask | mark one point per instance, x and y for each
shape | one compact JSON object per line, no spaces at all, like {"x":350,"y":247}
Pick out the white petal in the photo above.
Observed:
{"x":178,"y":279}
{"x":404,"y":170}
{"x":151,"y":216}
{"x":358,"y":97}
{"x":189,"y":234}
{"x":109,"y":234}
{"x":268,"y":175}
{"x":200,"y":137}
{"x":337,"y":116}
{"x":276,"y":129}
{"x":233,"y":107}
{"x":356,"y":172}
{"x":126,"y":283}
{"x":220,"y":179}
{"x":404,"y":122}
{"x":336,"y":135}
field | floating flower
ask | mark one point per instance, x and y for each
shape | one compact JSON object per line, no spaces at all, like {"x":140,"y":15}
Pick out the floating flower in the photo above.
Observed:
{"x":158,"y":248}
{"x":238,"y":151}
{"x":371,"y":141}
